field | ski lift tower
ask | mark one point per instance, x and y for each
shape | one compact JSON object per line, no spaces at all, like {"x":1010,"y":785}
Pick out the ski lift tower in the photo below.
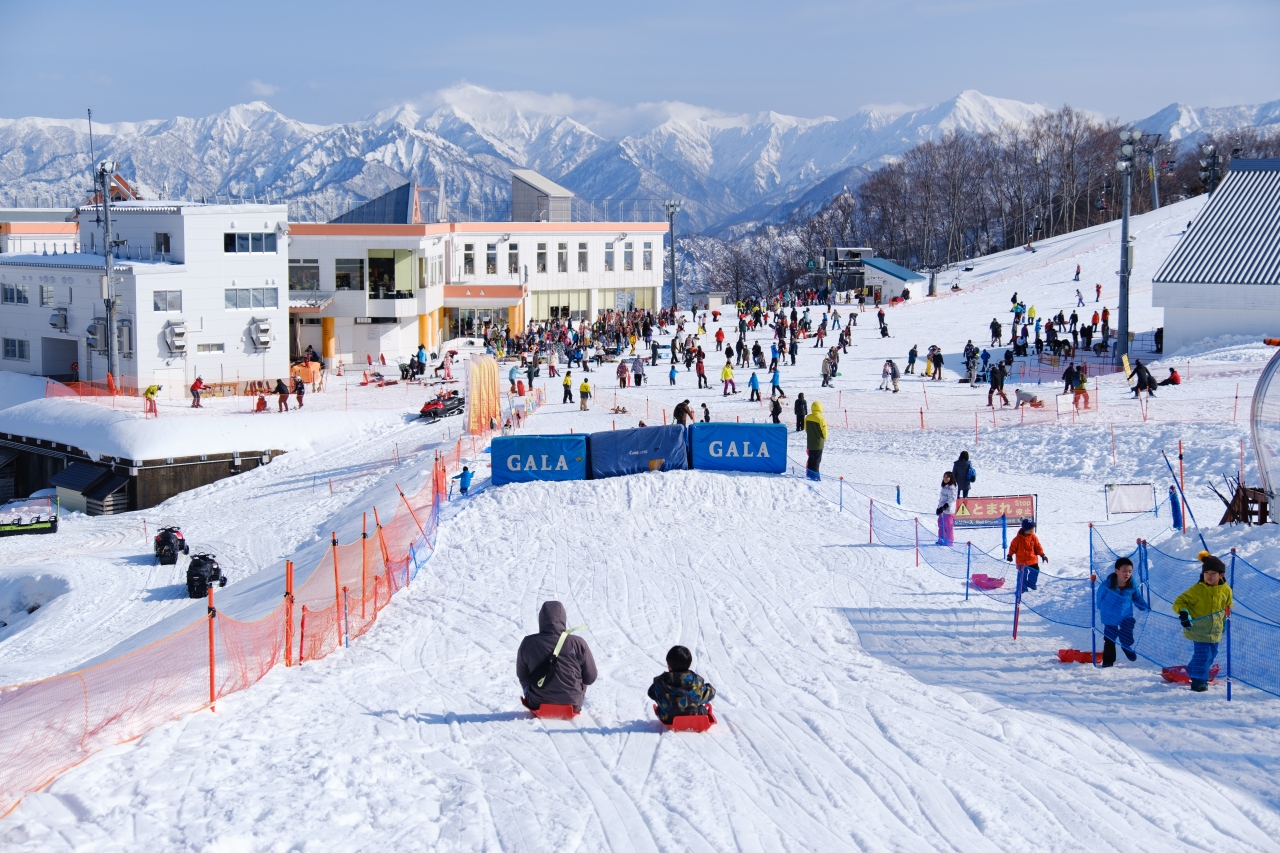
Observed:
{"x":844,"y":267}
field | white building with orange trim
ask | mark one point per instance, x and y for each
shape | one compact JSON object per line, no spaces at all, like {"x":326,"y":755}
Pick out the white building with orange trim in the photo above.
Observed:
{"x":378,"y":281}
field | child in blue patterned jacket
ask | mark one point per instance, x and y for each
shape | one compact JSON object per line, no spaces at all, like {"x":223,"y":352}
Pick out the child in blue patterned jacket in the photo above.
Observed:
{"x":680,"y":691}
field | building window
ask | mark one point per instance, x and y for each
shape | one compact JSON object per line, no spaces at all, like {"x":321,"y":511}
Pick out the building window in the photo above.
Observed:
{"x":162,"y":243}
{"x":513,"y":258}
{"x":16,"y":294}
{"x":468,"y":258}
{"x":240,"y":244}
{"x":562,"y":257}
{"x":46,"y":295}
{"x":648,"y":256}
{"x":608,"y":257}
{"x":626,"y":299}
{"x":582,"y":257}
{"x":348,"y":274}
{"x":17,"y":350}
{"x":166,"y":300}
{"x":570,"y":305}
{"x":304,"y":274}
{"x":542,"y":257}
{"x":628,"y":258}
{"x":250,"y":297}
{"x":211,"y":348}
{"x":491,"y":259}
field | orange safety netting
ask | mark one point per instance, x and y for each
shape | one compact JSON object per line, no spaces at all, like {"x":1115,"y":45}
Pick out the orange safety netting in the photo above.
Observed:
{"x":49,"y":726}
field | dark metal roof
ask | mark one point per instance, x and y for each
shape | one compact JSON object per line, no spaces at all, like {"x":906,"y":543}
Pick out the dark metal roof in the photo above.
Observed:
{"x":390,"y":208}
{"x":1236,"y":239}
{"x":7,"y":456}
{"x":104,"y":486}
{"x":78,"y":476}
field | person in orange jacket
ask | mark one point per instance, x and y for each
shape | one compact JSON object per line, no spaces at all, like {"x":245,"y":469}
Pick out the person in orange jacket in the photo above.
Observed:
{"x":1026,"y":552}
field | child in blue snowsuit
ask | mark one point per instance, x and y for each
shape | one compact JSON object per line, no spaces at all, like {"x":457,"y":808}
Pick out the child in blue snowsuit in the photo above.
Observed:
{"x":1117,"y":598}
{"x":680,"y":692}
{"x":465,"y":476}
{"x":672,"y":375}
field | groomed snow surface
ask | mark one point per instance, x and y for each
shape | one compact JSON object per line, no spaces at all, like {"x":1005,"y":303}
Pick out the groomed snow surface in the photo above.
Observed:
{"x":863,"y":703}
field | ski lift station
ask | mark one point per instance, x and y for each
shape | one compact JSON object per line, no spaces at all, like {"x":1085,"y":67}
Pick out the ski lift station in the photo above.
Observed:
{"x":1223,"y":278}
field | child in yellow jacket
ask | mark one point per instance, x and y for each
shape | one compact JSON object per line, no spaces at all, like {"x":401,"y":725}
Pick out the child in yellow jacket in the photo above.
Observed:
{"x":1203,"y":611}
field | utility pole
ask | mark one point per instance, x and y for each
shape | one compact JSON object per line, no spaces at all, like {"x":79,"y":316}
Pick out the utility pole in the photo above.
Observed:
{"x":1210,"y":167}
{"x":673,"y":207}
{"x":1128,"y":145}
{"x":105,"y":171}
{"x":1150,"y":146}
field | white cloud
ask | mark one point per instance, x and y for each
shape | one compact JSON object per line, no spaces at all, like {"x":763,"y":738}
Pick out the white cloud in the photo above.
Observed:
{"x":262,"y":90}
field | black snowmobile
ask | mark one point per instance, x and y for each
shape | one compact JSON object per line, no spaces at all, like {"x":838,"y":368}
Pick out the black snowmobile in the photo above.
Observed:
{"x":169,"y":542}
{"x":202,"y":573}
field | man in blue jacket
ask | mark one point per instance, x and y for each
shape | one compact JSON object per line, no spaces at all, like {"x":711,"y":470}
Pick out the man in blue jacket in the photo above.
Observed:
{"x":1116,"y":599}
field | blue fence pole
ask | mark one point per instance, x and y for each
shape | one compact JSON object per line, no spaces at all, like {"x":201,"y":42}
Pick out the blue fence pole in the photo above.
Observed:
{"x":1233,"y":584}
{"x":899,"y":495}
{"x":1093,"y":614}
{"x":968,"y":562}
{"x":346,"y":619}
{"x":1004,"y":533}
{"x":842,"y":494}
{"x":1017,"y":604}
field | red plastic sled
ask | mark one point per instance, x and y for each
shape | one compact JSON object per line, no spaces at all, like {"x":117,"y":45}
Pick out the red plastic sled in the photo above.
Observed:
{"x":1178,"y":674}
{"x":1077,"y":656}
{"x":691,"y":722}
{"x":547,"y":711}
{"x":986,"y":582}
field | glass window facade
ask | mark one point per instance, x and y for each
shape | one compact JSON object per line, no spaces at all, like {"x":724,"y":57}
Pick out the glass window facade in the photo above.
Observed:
{"x":559,"y":304}
{"x":348,"y":274}
{"x":562,"y":257}
{"x":304,"y":274}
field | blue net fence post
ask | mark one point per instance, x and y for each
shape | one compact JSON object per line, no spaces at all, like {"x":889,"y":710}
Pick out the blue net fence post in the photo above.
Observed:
{"x":968,"y":567}
{"x":1228,"y":625}
{"x":1004,"y":533}
{"x":898,"y":499}
{"x":1017,"y":603}
{"x":871,"y":520}
{"x":346,"y":618}
{"x":917,"y":543}
{"x":1093,"y":611}
{"x":842,"y":494}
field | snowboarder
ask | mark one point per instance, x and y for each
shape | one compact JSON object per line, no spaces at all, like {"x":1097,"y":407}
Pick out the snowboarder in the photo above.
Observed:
{"x":995,"y":378}
{"x":1173,"y":378}
{"x":1202,"y":610}
{"x":555,"y":665}
{"x":911,"y":358}
{"x":149,"y":400}
{"x":1116,"y":599}
{"x":1026,"y":552}
{"x":1077,"y":278}
{"x":726,"y":376}
{"x":680,"y":692}
{"x":815,"y":431}
{"x":1079,"y":299}
{"x":464,"y":477}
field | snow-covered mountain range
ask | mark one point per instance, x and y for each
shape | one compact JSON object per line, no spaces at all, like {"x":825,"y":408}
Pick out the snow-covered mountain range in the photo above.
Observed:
{"x":727,"y":168}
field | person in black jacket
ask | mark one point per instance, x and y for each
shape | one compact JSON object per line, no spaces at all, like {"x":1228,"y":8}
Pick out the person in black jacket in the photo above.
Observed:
{"x":775,"y":409}
{"x":1070,"y":377}
{"x":282,"y":396}
{"x":960,"y":473}
{"x":802,"y":411}
{"x":572,"y":670}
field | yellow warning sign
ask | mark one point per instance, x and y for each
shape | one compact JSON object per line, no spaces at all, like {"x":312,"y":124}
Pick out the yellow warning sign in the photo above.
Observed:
{"x":963,"y":510}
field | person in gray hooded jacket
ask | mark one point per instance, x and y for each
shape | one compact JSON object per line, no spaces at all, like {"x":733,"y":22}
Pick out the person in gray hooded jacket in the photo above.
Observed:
{"x":572,"y":670}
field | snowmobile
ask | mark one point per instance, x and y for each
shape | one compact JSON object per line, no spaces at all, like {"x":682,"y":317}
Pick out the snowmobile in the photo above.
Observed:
{"x":445,"y":406}
{"x":169,"y":542}
{"x":202,"y":573}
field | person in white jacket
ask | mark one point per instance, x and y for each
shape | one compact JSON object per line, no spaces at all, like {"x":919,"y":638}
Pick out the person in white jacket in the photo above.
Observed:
{"x":947,"y":510}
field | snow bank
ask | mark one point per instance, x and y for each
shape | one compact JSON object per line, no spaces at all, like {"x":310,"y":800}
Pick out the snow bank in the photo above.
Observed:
{"x":22,"y":596}
{"x":17,"y":388}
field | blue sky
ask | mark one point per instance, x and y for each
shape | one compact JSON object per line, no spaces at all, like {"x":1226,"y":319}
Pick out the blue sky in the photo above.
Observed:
{"x":327,"y":62}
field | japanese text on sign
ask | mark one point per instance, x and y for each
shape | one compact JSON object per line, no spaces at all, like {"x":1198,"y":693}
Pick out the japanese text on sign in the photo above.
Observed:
{"x":976,"y":510}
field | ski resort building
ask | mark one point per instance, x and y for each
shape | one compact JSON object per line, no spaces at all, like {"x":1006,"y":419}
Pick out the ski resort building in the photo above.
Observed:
{"x":1223,"y":278}
{"x":200,"y":291}
{"x":393,"y":273}
{"x":886,"y":280}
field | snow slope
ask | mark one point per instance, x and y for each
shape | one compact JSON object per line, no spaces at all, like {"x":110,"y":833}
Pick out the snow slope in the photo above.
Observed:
{"x":864,"y":703}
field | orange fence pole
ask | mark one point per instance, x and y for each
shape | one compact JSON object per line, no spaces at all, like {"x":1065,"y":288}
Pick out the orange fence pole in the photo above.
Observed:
{"x":412,"y":514}
{"x":364,"y":561}
{"x":922,"y":419}
{"x":337,"y":586}
{"x":288,"y":624}
{"x":146,"y":538}
{"x":302,"y":634}
{"x":213,"y":688}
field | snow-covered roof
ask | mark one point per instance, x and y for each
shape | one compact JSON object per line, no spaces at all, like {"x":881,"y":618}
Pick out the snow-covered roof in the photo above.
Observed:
{"x":100,"y":431}
{"x":1236,"y":239}
{"x":891,"y":269}
{"x":85,"y":261}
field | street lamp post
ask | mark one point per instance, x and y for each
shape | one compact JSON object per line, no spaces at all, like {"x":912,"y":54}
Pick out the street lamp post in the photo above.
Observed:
{"x":1210,"y":167}
{"x":1129,"y":140}
{"x":673,"y":207}
{"x":104,"y":174}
